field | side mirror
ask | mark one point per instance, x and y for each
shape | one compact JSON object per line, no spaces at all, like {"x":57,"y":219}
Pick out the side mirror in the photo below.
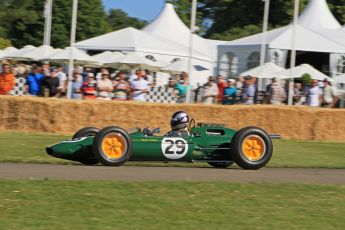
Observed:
{"x":156,"y":130}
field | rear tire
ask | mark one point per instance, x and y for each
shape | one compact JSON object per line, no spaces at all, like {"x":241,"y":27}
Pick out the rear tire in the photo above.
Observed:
{"x":87,"y":132}
{"x":112,"y":146}
{"x":220,"y":165}
{"x":251,"y":148}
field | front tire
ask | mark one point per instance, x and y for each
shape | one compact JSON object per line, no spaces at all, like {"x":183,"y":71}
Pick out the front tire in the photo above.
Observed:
{"x":112,"y":146}
{"x":87,"y":132}
{"x":251,"y":148}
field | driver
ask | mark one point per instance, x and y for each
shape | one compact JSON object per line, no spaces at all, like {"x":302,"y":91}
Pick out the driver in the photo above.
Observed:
{"x":179,"y":125}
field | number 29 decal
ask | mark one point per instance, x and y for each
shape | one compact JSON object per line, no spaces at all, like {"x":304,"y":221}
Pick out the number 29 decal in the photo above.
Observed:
{"x":174,"y":147}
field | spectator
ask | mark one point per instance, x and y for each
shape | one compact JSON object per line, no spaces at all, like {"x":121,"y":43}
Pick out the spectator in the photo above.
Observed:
{"x":329,"y":95}
{"x":104,"y":87}
{"x":211,"y":91}
{"x":221,"y":86}
{"x":7,"y":80}
{"x":298,"y":95}
{"x":248,"y":91}
{"x":148,"y":77}
{"x":277,"y":93}
{"x":135,"y":76}
{"x":182,"y":87}
{"x":121,"y":87}
{"x":34,"y":81}
{"x":89,"y":87}
{"x":52,"y":82}
{"x":103,"y":71}
{"x":230,"y":93}
{"x":62,"y":81}
{"x":76,"y":87}
{"x":313,"y":94}
{"x":139,"y":87}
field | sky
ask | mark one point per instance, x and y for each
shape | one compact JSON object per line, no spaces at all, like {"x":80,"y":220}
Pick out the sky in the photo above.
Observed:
{"x":142,"y":9}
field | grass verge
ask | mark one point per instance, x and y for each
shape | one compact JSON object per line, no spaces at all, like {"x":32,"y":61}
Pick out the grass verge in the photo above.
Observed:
{"x":30,"y":148}
{"x":162,"y":205}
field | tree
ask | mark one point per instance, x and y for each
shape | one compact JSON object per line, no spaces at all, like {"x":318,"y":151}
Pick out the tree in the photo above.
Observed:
{"x":119,"y":19}
{"x":22,"y":21}
{"x":4,"y":43}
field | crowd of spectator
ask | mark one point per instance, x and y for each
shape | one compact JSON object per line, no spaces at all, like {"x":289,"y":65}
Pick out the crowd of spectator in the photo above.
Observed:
{"x":89,"y":84}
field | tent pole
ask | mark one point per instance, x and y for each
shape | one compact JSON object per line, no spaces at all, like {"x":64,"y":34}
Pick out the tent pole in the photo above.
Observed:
{"x":262,"y":82}
{"x":190,"y":55}
{"x":73,"y":34}
{"x":48,"y":9}
{"x":293,"y":52}
{"x":264,"y":33}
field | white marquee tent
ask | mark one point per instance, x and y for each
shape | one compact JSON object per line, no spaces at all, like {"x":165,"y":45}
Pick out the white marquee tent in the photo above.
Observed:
{"x":267,"y":70}
{"x":18,"y":54}
{"x":317,"y":31}
{"x":300,"y":70}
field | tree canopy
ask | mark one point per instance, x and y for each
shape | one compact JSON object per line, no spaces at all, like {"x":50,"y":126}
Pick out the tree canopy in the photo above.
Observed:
{"x":22,"y":21}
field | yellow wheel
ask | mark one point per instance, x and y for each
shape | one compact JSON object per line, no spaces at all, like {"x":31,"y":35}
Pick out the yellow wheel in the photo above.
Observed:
{"x":251,"y":148}
{"x":112,"y":146}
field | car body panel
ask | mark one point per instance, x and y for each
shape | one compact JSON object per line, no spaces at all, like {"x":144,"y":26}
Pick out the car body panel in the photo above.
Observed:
{"x":206,"y":142}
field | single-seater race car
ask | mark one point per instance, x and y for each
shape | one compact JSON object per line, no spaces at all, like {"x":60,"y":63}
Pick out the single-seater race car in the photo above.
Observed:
{"x":249,"y":147}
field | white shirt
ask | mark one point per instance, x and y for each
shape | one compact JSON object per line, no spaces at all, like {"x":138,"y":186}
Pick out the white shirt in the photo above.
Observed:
{"x":62,"y":77}
{"x":140,"y":84}
{"x":328,"y":93}
{"x":313,"y":96}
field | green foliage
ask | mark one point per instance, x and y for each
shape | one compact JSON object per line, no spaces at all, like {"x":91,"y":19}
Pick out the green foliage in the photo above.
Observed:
{"x":305,"y":79}
{"x":119,"y":19}
{"x":231,"y":19}
{"x":4,"y":43}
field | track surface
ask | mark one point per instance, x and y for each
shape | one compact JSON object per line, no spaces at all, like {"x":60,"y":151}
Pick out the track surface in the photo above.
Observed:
{"x":134,"y":173}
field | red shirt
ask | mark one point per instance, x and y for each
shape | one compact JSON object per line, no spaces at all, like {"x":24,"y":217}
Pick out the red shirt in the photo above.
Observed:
{"x":221,"y":86}
{"x":7,"y":82}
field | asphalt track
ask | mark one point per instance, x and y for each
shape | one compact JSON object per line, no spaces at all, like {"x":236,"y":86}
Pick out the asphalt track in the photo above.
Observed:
{"x":14,"y":171}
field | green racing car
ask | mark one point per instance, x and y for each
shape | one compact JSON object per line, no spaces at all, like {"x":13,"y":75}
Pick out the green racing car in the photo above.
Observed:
{"x":249,"y":147}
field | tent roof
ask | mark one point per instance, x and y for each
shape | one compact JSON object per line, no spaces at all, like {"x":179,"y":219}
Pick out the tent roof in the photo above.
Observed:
{"x":300,"y":70}
{"x":169,"y":26}
{"x":318,"y":15}
{"x":307,"y":39}
{"x":130,"y":39}
{"x":267,"y":70}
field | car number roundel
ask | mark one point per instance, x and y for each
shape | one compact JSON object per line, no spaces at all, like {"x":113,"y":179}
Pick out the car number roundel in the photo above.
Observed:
{"x":174,"y":147}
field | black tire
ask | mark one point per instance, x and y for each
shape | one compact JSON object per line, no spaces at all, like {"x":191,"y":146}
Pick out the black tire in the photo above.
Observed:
{"x":85,"y":132}
{"x":89,"y":161}
{"x":264,"y":149}
{"x":220,"y":165}
{"x":121,"y":137}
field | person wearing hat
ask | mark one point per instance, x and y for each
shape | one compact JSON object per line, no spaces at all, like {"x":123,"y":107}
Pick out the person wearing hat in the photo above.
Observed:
{"x":330,"y":95}
{"x":211,"y":91}
{"x":7,"y":80}
{"x":248,"y":91}
{"x":89,"y":87}
{"x":230,"y":93}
